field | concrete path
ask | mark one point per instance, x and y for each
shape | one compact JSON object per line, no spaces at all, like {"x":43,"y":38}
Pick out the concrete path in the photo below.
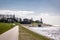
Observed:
{"x":12,"y":34}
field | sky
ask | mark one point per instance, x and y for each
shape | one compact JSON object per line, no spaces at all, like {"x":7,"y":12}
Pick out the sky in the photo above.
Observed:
{"x":31,"y":8}
{"x":38,"y":6}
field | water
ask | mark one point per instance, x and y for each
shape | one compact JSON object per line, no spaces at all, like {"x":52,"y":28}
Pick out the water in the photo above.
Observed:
{"x":52,"y":32}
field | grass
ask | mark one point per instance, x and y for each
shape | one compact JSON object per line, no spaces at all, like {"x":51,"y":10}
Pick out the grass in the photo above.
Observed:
{"x":5,"y":26}
{"x":29,"y":35}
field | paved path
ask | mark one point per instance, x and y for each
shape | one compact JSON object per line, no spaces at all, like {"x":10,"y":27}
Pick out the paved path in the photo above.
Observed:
{"x":12,"y":34}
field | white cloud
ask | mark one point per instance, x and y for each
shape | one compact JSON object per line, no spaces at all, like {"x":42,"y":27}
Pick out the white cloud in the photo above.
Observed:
{"x":47,"y":18}
{"x":54,"y":20}
{"x":17,"y":13}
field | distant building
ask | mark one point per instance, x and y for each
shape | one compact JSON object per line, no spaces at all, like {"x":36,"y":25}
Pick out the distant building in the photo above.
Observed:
{"x":20,"y":19}
{"x":37,"y":21}
{"x":25,"y":21}
{"x":41,"y":21}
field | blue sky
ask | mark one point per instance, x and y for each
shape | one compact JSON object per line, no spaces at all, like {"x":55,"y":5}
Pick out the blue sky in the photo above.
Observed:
{"x":51,"y":7}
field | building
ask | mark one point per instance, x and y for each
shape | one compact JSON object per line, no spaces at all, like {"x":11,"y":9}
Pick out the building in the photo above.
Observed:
{"x":25,"y":21}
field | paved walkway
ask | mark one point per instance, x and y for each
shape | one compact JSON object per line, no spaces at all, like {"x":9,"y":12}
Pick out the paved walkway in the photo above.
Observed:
{"x":12,"y":34}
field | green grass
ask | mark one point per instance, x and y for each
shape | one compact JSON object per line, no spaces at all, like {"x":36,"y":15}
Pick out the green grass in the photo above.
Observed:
{"x":5,"y":26}
{"x":35,"y":35}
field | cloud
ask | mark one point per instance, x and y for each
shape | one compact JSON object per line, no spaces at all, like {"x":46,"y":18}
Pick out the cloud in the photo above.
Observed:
{"x":17,"y":13}
{"x":49,"y":19}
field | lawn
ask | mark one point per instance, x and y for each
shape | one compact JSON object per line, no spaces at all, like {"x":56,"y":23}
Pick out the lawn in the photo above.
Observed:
{"x":26,"y":34}
{"x":5,"y":26}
